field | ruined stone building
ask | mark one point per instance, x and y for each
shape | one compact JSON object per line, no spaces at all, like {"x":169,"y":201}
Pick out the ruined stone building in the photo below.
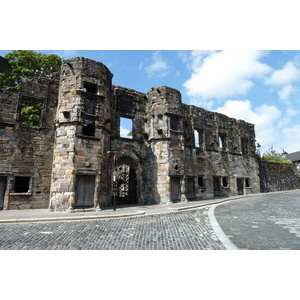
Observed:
{"x":177,"y":152}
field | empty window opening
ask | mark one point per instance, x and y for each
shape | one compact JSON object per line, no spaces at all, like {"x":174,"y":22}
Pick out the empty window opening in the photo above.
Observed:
{"x":126,"y":128}
{"x":247,"y":182}
{"x":222,"y":142}
{"x":196,"y":135}
{"x":174,"y":123}
{"x":225,"y":182}
{"x":90,"y":87}
{"x":88,"y":128}
{"x":30,"y":113}
{"x":199,"y":140}
{"x":200,"y":181}
{"x":22,"y":184}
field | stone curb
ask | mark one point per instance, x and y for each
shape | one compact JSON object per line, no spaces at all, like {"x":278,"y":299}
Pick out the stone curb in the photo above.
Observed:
{"x":140,"y":213}
{"x":79,"y":218}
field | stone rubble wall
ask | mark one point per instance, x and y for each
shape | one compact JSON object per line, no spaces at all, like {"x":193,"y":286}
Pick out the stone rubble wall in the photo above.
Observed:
{"x":277,"y":177}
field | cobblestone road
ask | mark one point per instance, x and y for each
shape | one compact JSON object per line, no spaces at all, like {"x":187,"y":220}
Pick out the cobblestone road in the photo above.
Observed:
{"x":187,"y":230}
{"x":262,"y":223}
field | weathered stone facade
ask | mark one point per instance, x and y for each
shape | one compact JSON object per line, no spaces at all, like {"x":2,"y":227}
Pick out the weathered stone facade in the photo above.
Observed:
{"x":26,"y":153}
{"x":177,"y":152}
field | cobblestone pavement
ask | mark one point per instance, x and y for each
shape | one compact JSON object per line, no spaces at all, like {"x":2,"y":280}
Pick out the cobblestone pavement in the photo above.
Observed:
{"x":186,"y":230}
{"x":262,"y":222}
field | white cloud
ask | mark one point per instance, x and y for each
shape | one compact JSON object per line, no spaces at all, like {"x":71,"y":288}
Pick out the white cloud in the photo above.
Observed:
{"x":124,"y":132}
{"x":288,"y":74}
{"x":158,"y":67}
{"x":264,"y":117}
{"x":219,"y":74}
{"x":285,"y":93}
{"x":290,"y":138}
{"x":291,"y":111}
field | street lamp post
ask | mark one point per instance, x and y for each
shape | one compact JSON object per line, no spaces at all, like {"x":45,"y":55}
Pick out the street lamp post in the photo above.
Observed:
{"x":114,"y":185}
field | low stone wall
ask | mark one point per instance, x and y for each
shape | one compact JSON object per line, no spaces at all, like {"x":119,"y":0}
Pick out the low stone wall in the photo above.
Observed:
{"x":277,"y":177}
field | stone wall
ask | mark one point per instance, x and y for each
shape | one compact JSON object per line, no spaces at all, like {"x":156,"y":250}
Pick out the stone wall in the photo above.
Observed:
{"x":26,"y":153}
{"x":277,"y":177}
{"x":77,"y":157}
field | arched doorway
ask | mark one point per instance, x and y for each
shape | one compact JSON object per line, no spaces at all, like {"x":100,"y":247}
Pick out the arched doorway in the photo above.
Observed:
{"x":126,"y":179}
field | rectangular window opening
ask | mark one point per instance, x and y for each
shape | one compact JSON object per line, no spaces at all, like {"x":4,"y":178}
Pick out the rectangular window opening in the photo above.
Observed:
{"x":30,"y":112}
{"x":126,"y":128}
{"x":225,"y":181}
{"x":196,"y":135}
{"x":90,"y":87}
{"x":88,"y":128}
{"x":200,"y":181}
{"x":247,"y":182}
{"x":22,"y":184}
{"x":222,"y":142}
{"x":174,"y":123}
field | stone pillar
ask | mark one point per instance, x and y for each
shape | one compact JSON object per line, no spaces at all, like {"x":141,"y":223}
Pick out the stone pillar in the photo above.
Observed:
{"x":7,"y":192}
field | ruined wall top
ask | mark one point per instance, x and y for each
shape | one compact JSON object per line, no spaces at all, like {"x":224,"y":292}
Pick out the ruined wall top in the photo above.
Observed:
{"x":85,"y":67}
{"x":164,"y":99}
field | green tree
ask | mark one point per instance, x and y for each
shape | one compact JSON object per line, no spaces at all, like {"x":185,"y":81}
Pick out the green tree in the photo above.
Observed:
{"x":27,"y":64}
{"x":273,"y":156}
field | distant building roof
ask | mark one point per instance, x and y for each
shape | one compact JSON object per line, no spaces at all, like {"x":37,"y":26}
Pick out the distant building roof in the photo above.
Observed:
{"x":295,"y":156}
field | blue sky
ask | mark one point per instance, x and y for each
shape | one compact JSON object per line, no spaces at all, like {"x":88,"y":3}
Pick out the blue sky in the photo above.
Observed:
{"x":260,"y":87}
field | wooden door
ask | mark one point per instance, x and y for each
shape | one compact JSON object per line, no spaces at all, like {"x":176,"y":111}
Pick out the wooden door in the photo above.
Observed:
{"x":217,"y":187}
{"x":85,"y":187}
{"x":3,"y":180}
{"x":190,"y":188}
{"x":175,"y":189}
{"x":240,"y":186}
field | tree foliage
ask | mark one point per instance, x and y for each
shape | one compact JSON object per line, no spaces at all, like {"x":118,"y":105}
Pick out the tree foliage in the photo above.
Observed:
{"x":30,"y":114}
{"x":273,"y":156}
{"x":27,"y":64}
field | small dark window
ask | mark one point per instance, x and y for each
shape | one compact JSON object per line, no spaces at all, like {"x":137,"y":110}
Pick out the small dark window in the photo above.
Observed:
{"x":174,"y":123}
{"x":225,"y":181}
{"x":30,"y":113}
{"x":200,"y":181}
{"x":247,"y":182}
{"x":90,"y":87}
{"x":88,"y":128}
{"x":22,"y":184}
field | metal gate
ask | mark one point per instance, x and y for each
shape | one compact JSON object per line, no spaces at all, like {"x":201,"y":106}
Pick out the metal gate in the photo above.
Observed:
{"x":127,"y":186}
{"x":85,"y":187}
